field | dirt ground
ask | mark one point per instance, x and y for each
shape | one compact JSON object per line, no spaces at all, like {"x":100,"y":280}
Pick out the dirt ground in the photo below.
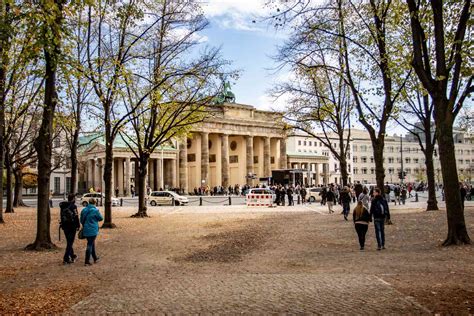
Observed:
{"x":266,"y":253}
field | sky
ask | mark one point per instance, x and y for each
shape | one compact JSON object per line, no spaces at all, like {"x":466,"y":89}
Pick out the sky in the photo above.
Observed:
{"x":248,"y":45}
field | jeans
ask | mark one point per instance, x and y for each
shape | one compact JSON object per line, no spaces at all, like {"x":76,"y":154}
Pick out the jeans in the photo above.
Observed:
{"x":70,"y":235}
{"x":346,"y":207}
{"x":330,"y":203}
{"x":90,"y":250}
{"x":379,"y":231}
{"x":361,"y":230}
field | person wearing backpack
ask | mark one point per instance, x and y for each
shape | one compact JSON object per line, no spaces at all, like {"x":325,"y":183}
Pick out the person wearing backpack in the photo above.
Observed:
{"x":379,"y":212}
{"x":69,"y":224}
{"x":90,"y":218}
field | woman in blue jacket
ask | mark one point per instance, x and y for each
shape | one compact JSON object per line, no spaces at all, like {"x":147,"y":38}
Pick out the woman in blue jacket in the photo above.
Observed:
{"x":90,"y":218}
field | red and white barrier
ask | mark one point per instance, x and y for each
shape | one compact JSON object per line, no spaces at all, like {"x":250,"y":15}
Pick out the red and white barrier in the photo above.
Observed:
{"x":259,"y":199}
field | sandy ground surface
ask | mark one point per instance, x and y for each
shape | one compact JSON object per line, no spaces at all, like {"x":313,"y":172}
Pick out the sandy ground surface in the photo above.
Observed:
{"x":235,"y":259}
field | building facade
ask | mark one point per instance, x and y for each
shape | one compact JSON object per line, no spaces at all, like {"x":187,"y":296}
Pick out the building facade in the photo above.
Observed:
{"x":238,"y":144}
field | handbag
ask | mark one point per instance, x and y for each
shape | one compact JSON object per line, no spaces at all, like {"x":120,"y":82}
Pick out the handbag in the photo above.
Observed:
{"x":80,"y":234}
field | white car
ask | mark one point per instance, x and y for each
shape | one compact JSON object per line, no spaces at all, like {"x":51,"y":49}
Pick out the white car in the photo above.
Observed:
{"x":167,"y":198}
{"x":97,"y":196}
{"x":313,"y":194}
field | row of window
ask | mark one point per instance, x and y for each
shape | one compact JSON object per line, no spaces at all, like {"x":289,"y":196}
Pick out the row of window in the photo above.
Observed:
{"x":406,"y":160}
{"x":396,"y":149}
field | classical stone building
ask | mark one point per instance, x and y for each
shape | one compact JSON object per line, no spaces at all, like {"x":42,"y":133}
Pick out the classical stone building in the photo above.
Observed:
{"x":238,"y":144}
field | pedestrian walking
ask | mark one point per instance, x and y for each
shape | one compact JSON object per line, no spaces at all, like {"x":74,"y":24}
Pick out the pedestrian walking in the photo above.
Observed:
{"x":397,"y":192}
{"x":364,"y":197}
{"x":345,"y":198}
{"x":69,"y":224}
{"x":403,"y":195}
{"x":289,"y":193}
{"x":379,"y":212}
{"x":361,"y":219}
{"x":463,"y":192}
{"x":116,"y":191}
{"x":330,"y":197}
{"x":303,"y":195}
{"x":323,"y":195}
{"x":90,"y":218}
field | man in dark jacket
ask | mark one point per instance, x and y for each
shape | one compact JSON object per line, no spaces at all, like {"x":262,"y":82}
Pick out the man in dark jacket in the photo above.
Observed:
{"x":345,"y":201}
{"x":69,"y":224}
{"x":358,"y":188}
{"x":379,"y":212}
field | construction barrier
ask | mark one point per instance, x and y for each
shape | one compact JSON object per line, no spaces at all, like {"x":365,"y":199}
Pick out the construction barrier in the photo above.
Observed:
{"x":259,"y":199}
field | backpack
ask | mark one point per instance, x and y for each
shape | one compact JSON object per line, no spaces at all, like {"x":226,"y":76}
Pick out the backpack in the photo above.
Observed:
{"x":67,"y":215}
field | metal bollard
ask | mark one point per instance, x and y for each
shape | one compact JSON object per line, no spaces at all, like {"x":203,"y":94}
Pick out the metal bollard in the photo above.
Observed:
{"x":416,"y":197}
{"x":200,"y":201}
{"x":230,"y":200}
{"x":172,"y":201}
{"x":121,"y":201}
{"x":298,"y":200}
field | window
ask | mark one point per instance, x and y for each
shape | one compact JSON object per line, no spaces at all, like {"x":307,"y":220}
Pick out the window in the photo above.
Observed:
{"x":33,"y":190}
{"x":68,"y":184}
{"x":299,"y":142}
{"x":408,"y":170}
{"x":390,"y":160}
{"x":354,"y":148}
{"x":233,"y":145}
{"x":304,"y":143}
{"x":372,"y":170}
{"x":234,"y":159}
{"x":336,"y":167}
{"x":461,"y":161}
{"x":57,"y":184}
{"x":356,"y":170}
{"x":354,"y":159}
{"x":415,"y":160}
{"x":390,"y":171}
{"x":255,"y":159}
{"x":363,"y":159}
{"x":68,"y":164}
{"x":399,"y":160}
{"x":372,"y":159}
{"x":364,"y":170}
{"x":212,"y":158}
{"x":363,"y":148}
{"x":408,"y":160}
{"x":272,"y":159}
{"x":57,"y":142}
{"x":191,"y":157}
{"x":33,"y":165}
{"x":390,"y":149}
{"x":315,"y":144}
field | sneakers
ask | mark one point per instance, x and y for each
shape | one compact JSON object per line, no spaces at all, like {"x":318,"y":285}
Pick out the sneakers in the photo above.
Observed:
{"x":383,"y":247}
{"x":361,"y":248}
{"x":96,"y":259}
{"x":74,"y":258}
{"x":67,"y":262}
{"x":87,"y":264}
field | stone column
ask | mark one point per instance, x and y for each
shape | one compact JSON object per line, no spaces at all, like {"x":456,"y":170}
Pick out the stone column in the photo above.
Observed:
{"x":128,"y":168}
{"x":266,"y":157}
{"x":90,"y":174}
{"x":120,"y":176}
{"x":114,"y":164}
{"x":317,"y":173}
{"x":282,"y":153}
{"x":151,"y":172}
{"x":173,"y":173}
{"x":183,"y":166}
{"x":205,"y":157}
{"x":225,"y":160}
{"x":156,"y":163}
{"x":249,"y":156}
{"x":326,"y":173}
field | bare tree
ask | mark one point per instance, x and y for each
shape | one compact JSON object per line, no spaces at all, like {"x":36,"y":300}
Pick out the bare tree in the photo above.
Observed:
{"x":373,"y":69}
{"x":320,"y":98}
{"x":115,"y":31}
{"x":442,"y":75}
{"x":176,"y":88}
{"x":416,"y":118}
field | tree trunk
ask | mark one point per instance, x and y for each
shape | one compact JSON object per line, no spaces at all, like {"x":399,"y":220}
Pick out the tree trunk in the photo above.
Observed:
{"x":9,"y":185}
{"x":378,"y":145}
{"x":457,"y":232}
{"x":18,"y":197}
{"x":109,"y":140}
{"x":432,"y":203}
{"x":142,"y":173}
{"x":43,"y":143}
{"x":344,"y":173}
{"x":75,"y":139}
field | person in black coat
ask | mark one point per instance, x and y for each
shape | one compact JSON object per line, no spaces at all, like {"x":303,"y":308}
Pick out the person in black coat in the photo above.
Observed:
{"x":70,"y":224}
{"x":361,"y":219}
{"x":379,"y":211}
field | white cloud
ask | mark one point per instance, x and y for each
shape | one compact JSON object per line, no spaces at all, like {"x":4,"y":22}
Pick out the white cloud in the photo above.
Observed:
{"x":267,"y":102}
{"x":179,"y":33}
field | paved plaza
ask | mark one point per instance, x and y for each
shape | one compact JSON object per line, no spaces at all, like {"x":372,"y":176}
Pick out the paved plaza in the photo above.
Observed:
{"x":234,"y":259}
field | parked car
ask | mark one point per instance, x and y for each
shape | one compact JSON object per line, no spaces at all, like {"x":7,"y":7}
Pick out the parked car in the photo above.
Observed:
{"x":313,"y":194}
{"x":166,"y":198}
{"x":97,"y":196}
